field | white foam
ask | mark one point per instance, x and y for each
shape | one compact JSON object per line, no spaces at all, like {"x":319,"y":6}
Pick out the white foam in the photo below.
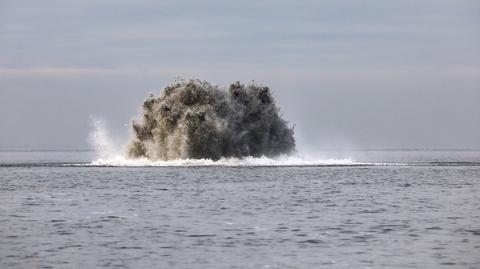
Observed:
{"x":247,"y":161}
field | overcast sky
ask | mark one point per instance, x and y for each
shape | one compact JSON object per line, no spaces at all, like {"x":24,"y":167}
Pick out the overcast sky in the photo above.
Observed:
{"x":349,"y":74}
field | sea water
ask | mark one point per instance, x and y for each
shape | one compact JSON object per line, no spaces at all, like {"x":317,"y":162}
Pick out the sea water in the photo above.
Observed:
{"x":370,"y":209}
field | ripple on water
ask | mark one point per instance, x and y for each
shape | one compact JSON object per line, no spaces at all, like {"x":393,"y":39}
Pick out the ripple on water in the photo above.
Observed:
{"x":242,"y":217}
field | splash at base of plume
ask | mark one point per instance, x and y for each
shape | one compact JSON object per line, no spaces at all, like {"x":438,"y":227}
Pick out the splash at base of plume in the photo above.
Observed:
{"x":110,"y":153}
{"x":247,"y":161}
{"x":100,"y":139}
{"x":192,"y":119}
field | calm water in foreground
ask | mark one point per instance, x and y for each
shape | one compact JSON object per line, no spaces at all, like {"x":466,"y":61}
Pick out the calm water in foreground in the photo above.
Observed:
{"x":420,"y":210}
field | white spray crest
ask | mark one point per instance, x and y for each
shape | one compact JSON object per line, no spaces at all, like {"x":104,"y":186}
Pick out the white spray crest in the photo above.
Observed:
{"x":100,"y":140}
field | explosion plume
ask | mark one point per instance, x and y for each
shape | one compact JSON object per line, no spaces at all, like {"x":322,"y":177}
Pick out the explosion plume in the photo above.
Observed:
{"x":194,"y":119}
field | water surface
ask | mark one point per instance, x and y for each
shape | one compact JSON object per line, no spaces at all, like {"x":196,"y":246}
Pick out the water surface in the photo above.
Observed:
{"x":410,"y":209}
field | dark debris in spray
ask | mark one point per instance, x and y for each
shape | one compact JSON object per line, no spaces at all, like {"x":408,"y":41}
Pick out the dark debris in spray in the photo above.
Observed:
{"x":194,"y":119}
